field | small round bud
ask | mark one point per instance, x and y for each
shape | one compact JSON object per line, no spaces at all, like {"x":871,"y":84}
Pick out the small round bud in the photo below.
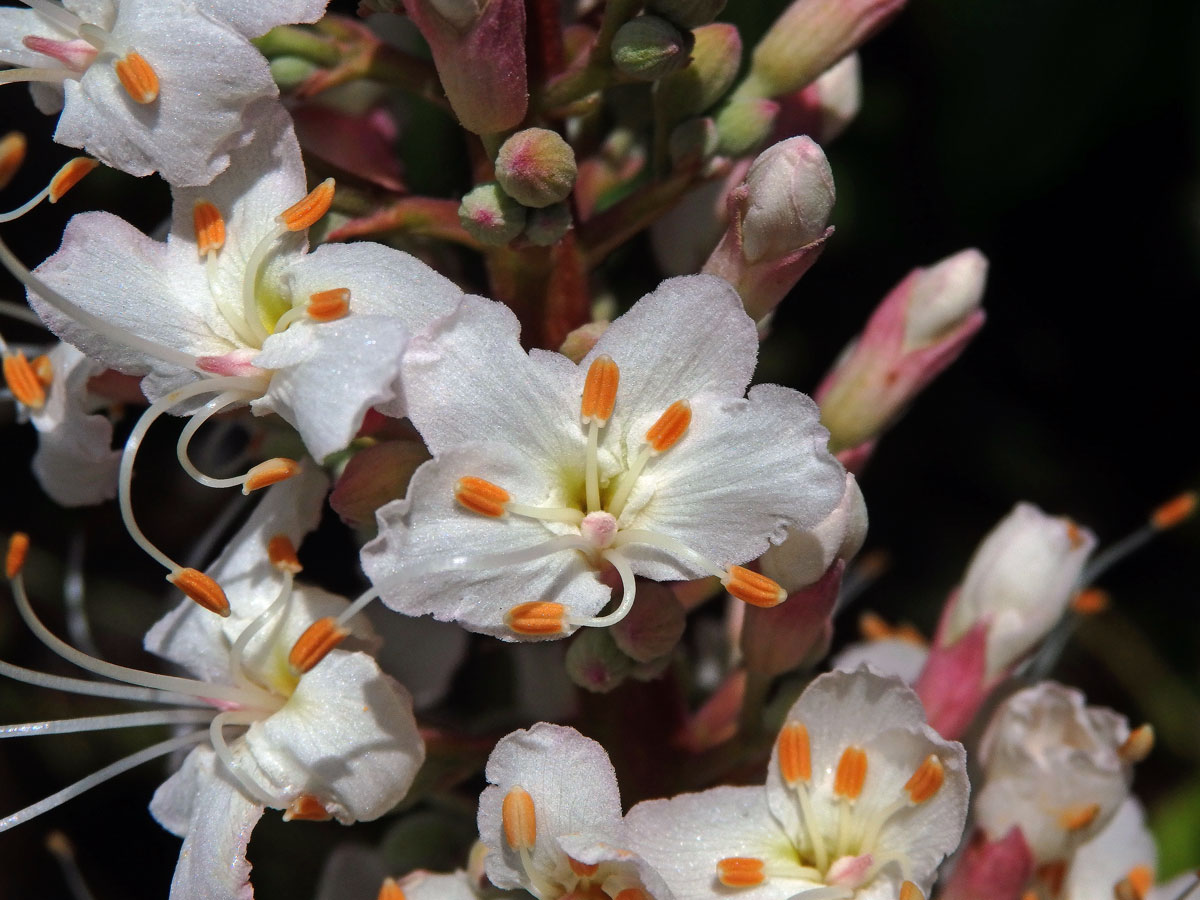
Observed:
{"x":491,"y":216}
{"x":579,"y":343}
{"x":716,"y":57}
{"x":744,"y":124}
{"x":693,"y":141}
{"x":547,"y":225}
{"x":649,"y":47}
{"x":595,"y":663}
{"x":291,"y":71}
{"x":687,"y":13}
{"x":536,"y":167}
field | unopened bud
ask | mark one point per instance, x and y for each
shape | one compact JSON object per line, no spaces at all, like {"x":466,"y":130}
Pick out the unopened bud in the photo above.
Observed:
{"x":536,"y":167}
{"x":491,"y":216}
{"x":654,"y":625}
{"x":579,"y":343}
{"x":462,"y":14}
{"x":693,"y":141}
{"x":794,"y":634}
{"x":744,"y":124}
{"x":547,"y":226}
{"x":805,"y":556}
{"x":823,"y":109}
{"x":687,"y":13}
{"x":290,"y":72}
{"x":649,"y":48}
{"x":716,"y":56}
{"x":943,"y":296}
{"x":789,"y":196}
{"x":595,"y":662}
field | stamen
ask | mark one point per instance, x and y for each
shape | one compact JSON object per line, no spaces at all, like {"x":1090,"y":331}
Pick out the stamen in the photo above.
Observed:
{"x":1053,"y":874}
{"x":1138,"y":745}
{"x":753,"y":588}
{"x":740,"y":871}
{"x":97,"y":688}
{"x":216,"y":736}
{"x":308,"y":211}
{"x":583,"y":870}
{"x":390,"y":890}
{"x":210,"y":227}
{"x":63,"y":851}
{"x":14,"y":558}
{"x":12,"y":154}
{"x":519,"y":820}
{"x":851,"y":773}
{"x":795,"y":753}
{"x":202,"y":589}
{"x":1174,"y":512}
{"x":926,"y":780}
{"x":600,"y":391}
{"x":197,"y":420}
{"x":270,"y":472}
{"x":539,"y":617}
{"x":481,"y":496}
{"x":282,"y":554}
{"x":70,"y":175}
{"x":1090,"y":602}
{"x":628,"y":594}
{"x":314,"y":645}
{"x":138,"y":79}
{"x":43,"y":369}
{"x":307,"y":808}
{"x":105,"y":723}
{"x":22,"y":380}
{"x":1135,"y":885}
{"x":909,"y":891}
{"x":326,"y":306}
{"x":1076,"y":818}
{"x":14,"y":76}
{"x":670,"y":427}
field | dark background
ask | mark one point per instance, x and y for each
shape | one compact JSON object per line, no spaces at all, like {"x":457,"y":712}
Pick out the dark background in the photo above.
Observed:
{"x":1059,"y":137}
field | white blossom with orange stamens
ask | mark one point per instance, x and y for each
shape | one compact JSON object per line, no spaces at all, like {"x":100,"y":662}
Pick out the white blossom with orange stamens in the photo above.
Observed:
{"x":1122,"y":851}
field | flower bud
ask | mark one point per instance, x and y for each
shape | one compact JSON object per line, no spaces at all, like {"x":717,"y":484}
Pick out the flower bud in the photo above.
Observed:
{"x":716,"y":56}
{"x":545,"y":227}
{"x":595,"y":662}
{"x":491,"y":216}
{"x":998,"y":869}
{"x":462,"y":14}
{"x":374,"y":476}
{"x":654,"y":625}
{"x":805,"y":556}
{"x":579,"y":343}
{"x":824,"y":108}
{"x":687,"y":13}
{"x":943,"y":297}
{"x":649,"y":48}
{"x":693,"y":141}
{"x":536,"y":167}
{"x":291,"y":71}
{"x":794,"y":634}
{"x":745,"y":124}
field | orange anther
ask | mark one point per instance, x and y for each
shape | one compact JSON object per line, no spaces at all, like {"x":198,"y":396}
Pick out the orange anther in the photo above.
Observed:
{"x":740,"y":871}
{"x":753,"y":588}
{"x":318,"y":639}
{"x":307,"y":808}
{"x":583,"y":870}
{"x":926,"y":780}
{"x":282,"y":554}
{"x":851,"y":773}
{"x":202,"y":589}
{"x":1174,"y":511}
{"x":1138,"y":745}
{"x":325,"y":306}
{"x":795,"y":753}
{"x":1030,"y":895}
{"x":1074,"y":534}
{"x":519,"y":819}
{"x":666,"y":432}
{"x":390,"y":890}
{"x":1090,"y":602}
{"x":1076,"y":818}
{"x":22,"y":380}
{"x":481,"y":496}
{"x":43,"y":369}
{"x":632,"y":893}
{"x":270,"y":472}
{"x":600,"y":390}
{"x":540,"y":617}
{"x":209,"y":226}
{"x":305,"y":213}
{"x":909,"y":891}
{"x":1053,"y":875}
{"x":873,"y":627}
{"x":137,"y":77}
{"x":18,"y":549}
{"x":1140,"y":880}
{"x":12,"y":154}
{"x":69,"y":176}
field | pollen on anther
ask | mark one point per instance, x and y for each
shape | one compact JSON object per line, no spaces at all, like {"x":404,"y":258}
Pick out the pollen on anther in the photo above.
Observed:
{"x":741,"y":871}
{"x":69,"y":176}
{"x":600,"y":390}
{"x":209,"y":227}
{"x":909,"y":891}
{"x":1136,"y":884}
{"x":390,"y":890}
{"x":666,"y":432}
{"x":282,"y":554}
{"x":307,"y":808}
{"x":137,"y":77}
{"x":1090,"y":602}
{"x":14,"y":558}
{"x":270,"y":472}
{"x":1175,"y":511}
{"x":22,"y":380}
{"x":480,"y":496}
{"x":12,"y":155}
{"x":519,"y":819}
{"x":583,"y":870}
{"x":202,"y":589}
{"x":851,"y":773}
{"x":308,"y":211}
{"x":539,"y":617}
{"x":753,"y":588}
{"x":1076,"y":818}
{"x":1138,"y":745}
{"x":926,"y":780}
{"x":795,"y":753}
{"x":43,"y":369}
{"x":326,"y":306}
{"x":314,"y":645}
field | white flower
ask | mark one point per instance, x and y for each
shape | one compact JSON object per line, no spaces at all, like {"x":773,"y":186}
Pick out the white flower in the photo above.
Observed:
{"x":147,"y":85}
{"x":551,"y":820}
{"x":805,"y":556}
{"x":861,"y":796}
{"x":674,"y":473}
{"x":1123,"y":851}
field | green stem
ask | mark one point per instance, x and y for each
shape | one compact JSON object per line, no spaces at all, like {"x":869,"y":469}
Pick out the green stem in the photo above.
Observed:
{"x":594,"y":75}
{"x":290,"y":40}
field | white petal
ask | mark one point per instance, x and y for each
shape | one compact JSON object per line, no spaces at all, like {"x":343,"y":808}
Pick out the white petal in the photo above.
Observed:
{"x":436,"y":886}
{"x":622,"y":868}
{"x":745,"y":471}
{"x":573,"y":788}
{"x":212,"y":862}
{"x":806,"y":555}
{"x":346,"y":735}
{"x":429,"y":527}
{"x":326,"y":376}
{"x":254,"y":19}
{"x":889,"y":656}
{"x":15,"y":26}
{"x":1106,"y":859}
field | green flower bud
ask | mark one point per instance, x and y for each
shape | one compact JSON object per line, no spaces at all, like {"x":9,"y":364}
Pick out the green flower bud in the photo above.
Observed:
{"x":291,"y":71}
{"x":694,"y":140}
{"x":547,"y":225}
{"x":536,"y":167}
{"x":715,"y":60}
{"x":649,"y":48}
{"x":687,"y":13}
{"x":744,"y":124}
{"x":654,"y":625}
{"x":595,"y":663}
{"x":491,"y":216}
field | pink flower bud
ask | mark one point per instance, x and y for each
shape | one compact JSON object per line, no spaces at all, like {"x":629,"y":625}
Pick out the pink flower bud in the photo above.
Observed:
{"x":536,"y":167}
{"x":824,"y":108}
{"x":917,"y":330}
{"x":797,"y":632}
{"x":991,"y":870}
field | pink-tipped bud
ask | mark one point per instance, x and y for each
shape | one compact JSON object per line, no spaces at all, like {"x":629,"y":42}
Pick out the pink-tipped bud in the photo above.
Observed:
{"x":743,"y":125}
{"x":491,"y":216}
{"x":547,"y":226}
{"x":998,"y":870}
{"x":824,"y":108}
{"x":796,"y":633}
{"x":917,"y":330}
{"x":716,"y":57}
{"x":777,"y":225}
{"x":595,"y":662}
{"x":649,"y":48}
{"x":536,"y":167}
